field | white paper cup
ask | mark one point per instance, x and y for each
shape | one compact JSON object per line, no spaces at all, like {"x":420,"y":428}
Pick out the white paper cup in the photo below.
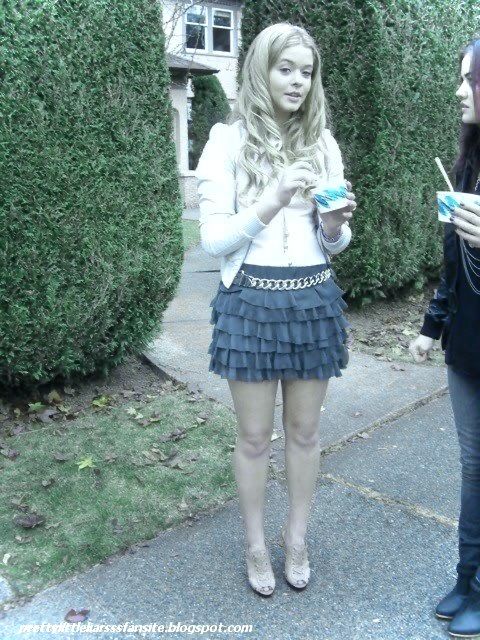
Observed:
{"x":448,"y":200}
{"x":331,"y":198}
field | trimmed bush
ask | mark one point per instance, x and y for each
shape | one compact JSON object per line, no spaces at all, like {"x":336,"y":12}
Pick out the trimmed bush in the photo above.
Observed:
{"x":390,"y":72}
{"x":209,"y":106}
{"x":90,"y":208}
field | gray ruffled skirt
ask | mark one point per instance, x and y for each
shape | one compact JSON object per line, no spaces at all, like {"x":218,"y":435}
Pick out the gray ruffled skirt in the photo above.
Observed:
{"x":265,"y":335}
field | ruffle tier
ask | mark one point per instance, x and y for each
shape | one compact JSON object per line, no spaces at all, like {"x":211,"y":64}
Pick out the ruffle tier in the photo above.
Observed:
{"x":265,"y":335}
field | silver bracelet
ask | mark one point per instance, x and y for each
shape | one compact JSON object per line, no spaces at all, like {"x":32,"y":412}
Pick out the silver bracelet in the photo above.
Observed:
{"x":331,"y":239}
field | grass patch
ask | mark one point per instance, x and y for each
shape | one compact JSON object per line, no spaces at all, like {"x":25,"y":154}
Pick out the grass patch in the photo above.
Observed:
{"x":191,"y":233}
{"x":155,"y":464}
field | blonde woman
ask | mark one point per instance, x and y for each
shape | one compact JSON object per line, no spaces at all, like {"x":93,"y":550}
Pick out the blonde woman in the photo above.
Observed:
{"x":278,"y":313}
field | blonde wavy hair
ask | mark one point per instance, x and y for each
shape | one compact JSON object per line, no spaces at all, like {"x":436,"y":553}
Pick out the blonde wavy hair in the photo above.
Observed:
{"x":302,"y":137}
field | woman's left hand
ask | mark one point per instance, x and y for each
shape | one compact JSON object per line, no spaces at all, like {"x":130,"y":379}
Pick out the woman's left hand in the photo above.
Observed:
{"x":467,"y":221}
{"x":333,"y":220}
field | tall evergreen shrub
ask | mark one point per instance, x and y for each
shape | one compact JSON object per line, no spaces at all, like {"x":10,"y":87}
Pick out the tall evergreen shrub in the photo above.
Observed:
{"x":390,"y":72}
{"x":90,"y":209}
{"x":209,"y":106}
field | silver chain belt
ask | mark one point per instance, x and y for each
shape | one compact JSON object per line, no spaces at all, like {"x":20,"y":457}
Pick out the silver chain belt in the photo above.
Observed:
{"x":245,"y":280}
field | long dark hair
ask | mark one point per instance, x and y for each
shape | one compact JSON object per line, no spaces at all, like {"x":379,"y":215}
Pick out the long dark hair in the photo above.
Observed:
{"x":469,"y":152}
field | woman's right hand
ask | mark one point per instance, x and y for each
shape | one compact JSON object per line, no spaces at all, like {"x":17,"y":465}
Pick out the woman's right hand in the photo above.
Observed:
{"x":420,"y":347}
{"x":298,"y":175}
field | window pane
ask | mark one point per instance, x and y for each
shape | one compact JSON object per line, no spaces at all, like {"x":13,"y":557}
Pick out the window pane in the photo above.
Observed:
{"x":222,"y":18}
{"x":197,"y":14}
{"x":195,"y":36}
{"x":221,"y":40}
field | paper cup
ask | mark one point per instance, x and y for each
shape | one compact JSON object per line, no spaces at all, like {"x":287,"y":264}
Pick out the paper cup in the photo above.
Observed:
{"x":331,"y":199}
{"x":448,"y":200}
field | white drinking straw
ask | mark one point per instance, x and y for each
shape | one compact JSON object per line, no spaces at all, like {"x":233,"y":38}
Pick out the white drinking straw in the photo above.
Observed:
{"x":444,"y":173}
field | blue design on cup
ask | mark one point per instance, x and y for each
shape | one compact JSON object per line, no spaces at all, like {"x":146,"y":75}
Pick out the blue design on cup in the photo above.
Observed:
{"x":447,"y":205}
{"x":326,"y":197}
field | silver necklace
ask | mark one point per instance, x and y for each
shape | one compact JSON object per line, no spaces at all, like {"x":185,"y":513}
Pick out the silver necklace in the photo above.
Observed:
{"x":285,"y":236}
{"x":470,"y":264}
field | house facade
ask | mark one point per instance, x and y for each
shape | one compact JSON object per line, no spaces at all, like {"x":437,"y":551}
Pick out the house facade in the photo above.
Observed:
{"x":201,"y":38}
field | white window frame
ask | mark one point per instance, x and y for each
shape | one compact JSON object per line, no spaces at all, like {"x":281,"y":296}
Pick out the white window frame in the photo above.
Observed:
{"x":205,"y":27}
{"x":209,"y":26}
{"x":230,"y":28}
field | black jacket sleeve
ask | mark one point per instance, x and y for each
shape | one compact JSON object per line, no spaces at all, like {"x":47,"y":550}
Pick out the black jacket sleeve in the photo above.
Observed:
{"x":437,"y":311}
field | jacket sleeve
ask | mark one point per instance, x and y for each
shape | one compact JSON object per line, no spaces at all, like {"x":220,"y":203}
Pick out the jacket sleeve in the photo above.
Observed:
{"x":335,"y":175}
{"x":437,"y":311}
{"x":222,"y":230}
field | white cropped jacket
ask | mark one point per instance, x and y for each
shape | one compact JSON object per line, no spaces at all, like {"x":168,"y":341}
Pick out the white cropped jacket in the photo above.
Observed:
{"x":226,"y":228}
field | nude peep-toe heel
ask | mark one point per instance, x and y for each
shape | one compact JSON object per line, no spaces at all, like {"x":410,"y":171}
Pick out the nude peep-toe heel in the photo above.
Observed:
{"x":297,"y":568}
{"x":260,"y":574}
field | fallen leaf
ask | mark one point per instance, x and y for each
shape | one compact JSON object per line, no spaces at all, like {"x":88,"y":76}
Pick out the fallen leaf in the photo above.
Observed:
{"x":77,"y":616}
{"x":86,"y":462}
{"x":101,"y":401}
{"x":11,"y":454}
{"x":17,"y":429}
{"x":150,"y":455}
{"x":200,"y":420}
{"x":48,"y":483}
{"x":63,"y":408}
{"x":62,"y":457}
{"x":275,"y":436}
{"x":117,"y":528}
{"x":54,"y":397}
{"x":33,"y":407}
{"x":177,"y":434}
{"x":19,"y":504}
{"x":29,"y":520}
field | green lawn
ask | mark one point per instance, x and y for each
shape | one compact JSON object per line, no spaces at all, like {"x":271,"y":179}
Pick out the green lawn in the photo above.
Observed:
{"x":191,"y":233}
{"x":129,"y":472}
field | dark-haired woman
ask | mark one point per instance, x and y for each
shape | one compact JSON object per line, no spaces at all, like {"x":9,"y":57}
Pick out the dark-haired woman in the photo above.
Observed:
{"x":454,"y":314}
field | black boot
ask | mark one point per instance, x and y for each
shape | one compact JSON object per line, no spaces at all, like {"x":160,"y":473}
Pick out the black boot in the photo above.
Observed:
{"x":466,"y":624}
{"x":451,"y":603}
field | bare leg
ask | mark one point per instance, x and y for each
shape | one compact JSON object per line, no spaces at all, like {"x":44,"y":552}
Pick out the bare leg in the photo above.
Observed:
{"x":302,"y":402}
{"x":254,"y":404}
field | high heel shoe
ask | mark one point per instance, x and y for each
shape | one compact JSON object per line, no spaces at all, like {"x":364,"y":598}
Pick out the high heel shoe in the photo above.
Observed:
{"x":260,"y":574}
{"x":297,"y":568}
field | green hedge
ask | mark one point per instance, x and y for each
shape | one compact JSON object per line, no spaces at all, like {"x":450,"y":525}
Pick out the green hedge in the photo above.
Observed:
{"x":209,"y":106}
{"x":390,"y":72}
{"x":90,"y":209}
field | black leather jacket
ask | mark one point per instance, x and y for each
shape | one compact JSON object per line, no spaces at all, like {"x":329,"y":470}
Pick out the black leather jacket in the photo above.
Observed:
{"x":444,"y":305}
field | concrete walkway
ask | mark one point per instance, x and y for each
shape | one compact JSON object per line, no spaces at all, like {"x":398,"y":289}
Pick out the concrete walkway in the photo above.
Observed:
{"x":382,"y":536}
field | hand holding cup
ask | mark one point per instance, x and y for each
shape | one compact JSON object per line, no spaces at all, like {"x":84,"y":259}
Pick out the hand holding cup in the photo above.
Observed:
{"x":466,"y":218}
{"x":333,"y":216}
